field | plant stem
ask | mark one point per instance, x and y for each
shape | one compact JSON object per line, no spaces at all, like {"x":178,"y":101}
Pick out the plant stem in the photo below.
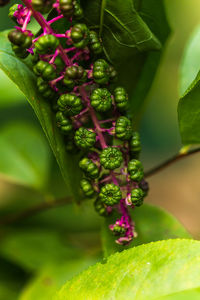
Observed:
{"x":170,"y":161}
{"x":46,"y":26}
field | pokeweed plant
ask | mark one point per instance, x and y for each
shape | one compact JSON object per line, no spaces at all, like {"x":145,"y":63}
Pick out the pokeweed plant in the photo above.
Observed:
{"x":74,"y":75}
{"x":89,"y":67}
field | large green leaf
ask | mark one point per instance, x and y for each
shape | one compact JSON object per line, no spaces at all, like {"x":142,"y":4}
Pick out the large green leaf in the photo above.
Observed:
{"x":149,"y":271}
{"x":189,"y":104}
{"x":151,"y":224}
{"x":52,"y":278}
{"x":129,"y":31}
{"x":20,"y":73}
{"x":24,"y":155}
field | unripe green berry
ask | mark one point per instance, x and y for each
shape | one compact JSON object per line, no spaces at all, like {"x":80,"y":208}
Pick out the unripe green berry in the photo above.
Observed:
{"x":110,"y":194}
{"x":135,"y":170}
{"x":89,"y":168}
{"x":100,"y":71}
{"x":123,"y":128}
{"x":70,"y":104}
{"x":45,"y":89}
{"x":46,"y":44}
{"x":19,"y":52}
{"x":16,"y":37}
{"x":118,"y":230}
{"x":111,"y":158}
{"x":137,"y":196}
{"x":78,"y":11}
{"x":84,"y":138}
{"x":100,"y":208}
{"x":74,"y":75}
{"x":101,"y":99}
{"x":42,"y":6}
{"x":121,"y":98}
{"x":66,"y":7}
{"x":87,"y":188}
{"x":44,"y":70}
{"x":80,"y":35}
{"x":135,"y":144}
{"x":63,"y":123}
{"x":59,"y":64}
{"x":94,"y":43}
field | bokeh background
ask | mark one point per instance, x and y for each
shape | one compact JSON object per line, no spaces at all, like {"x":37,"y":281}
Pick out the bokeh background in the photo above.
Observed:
{"x":177,"y":189}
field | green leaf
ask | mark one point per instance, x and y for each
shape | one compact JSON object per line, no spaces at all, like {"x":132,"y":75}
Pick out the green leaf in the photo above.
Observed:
{"x":190,"y":64}
{"x":189,"y":104}
{"x":151,"y":224}
{"x":193,"y":294}
{"x":53,"y":278}
{"x":129,"y":30}
{"x":24,"y":155}
{"x":34,"y":248}
{"x":20,"y":73}
{"x":145,"y":272}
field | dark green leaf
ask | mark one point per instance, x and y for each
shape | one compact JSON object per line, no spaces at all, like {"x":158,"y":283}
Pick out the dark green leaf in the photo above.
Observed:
{"x":129,"y":30}
{"x":149,"y":271}
{"x":19,"y":72}
{"x":189,"y":104}
{"x":151,"y":224}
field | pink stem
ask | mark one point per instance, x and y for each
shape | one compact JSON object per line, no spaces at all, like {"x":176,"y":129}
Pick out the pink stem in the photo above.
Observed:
{"x":55,"y":19}
{"x":53,"y":57}
{"x":53,"y":82}
{"x":26,"y":21}
{"x":47,"y":28}
{"x":94,"y":118}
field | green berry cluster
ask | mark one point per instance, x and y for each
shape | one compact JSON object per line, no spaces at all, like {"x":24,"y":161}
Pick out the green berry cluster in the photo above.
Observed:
{"x":90,"y":108}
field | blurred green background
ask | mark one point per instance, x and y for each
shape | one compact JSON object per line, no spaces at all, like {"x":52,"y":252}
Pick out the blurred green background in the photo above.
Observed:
{"x":176,"y":189}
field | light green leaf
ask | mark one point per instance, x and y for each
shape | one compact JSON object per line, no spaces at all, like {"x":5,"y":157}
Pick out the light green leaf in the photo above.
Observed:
{"x":190,"y":64}
{"x":193,"y":294}
{"x":189,"y":104}
{"x":20,"y":73}
{"x":24,"y":155}
{"x":145,"y":272}
{"x":52,"y":279}
{"x":151,"y":224}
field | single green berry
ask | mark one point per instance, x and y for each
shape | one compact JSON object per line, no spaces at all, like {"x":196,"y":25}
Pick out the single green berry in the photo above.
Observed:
{"x":101,"y":99}
{"x":110,"y":194}
{"x":80,"y":35}
{"x":74,"y":75}
{"x":135,"y":170}
{"x":45,"y":89}
{"x":78,"y":11}
{"x":112,"y":73}
{"x":70,"y":104}
{"x":89,"y":168}
{"x":101,"y":71}
{"x":59,"y":64}
{"x":84,"y":138}
{"x":42,"y":6}
{"x":100,"y":208}
{"x":46,"y":44}
{"x":19,"y":52}
{"x":95,"y":43}
{"x":111,"y":158}
{"x":137,"y":196}
{"x":118,"y":230}
{"x":63,"y":123}
{"x":66,"y":7}
{"x":87,"y":188}
{"x":123,"y":128}
{"x":16,"y":37}
{"x":135,"y":144}
{"x":44,"y":70}
{"x":121,"y":98}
